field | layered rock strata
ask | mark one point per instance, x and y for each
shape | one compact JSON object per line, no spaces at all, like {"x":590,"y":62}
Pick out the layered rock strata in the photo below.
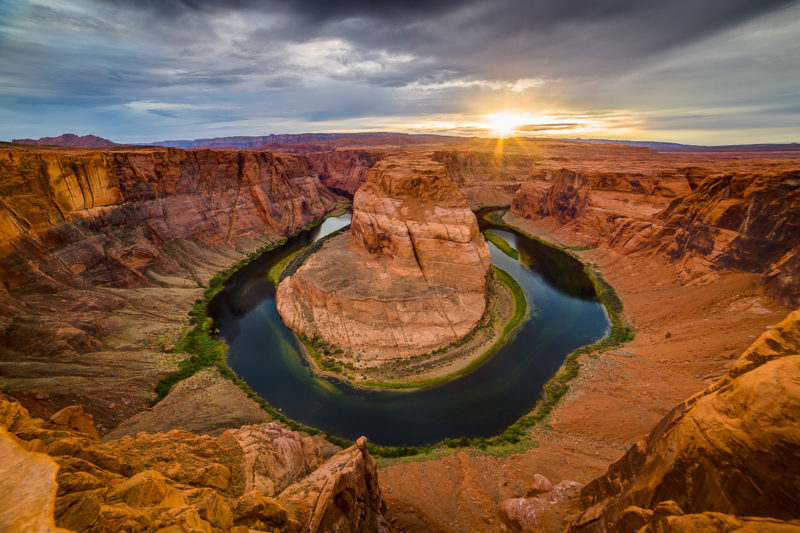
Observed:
{"x":257,"y":478}
{"x":707,"y":223}
{"x":104,"y":217}
{"x":344,"y":170}
{"x":411,"y":276}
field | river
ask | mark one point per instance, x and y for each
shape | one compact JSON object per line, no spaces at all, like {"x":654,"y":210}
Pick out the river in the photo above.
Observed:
{"x":563,"y":314}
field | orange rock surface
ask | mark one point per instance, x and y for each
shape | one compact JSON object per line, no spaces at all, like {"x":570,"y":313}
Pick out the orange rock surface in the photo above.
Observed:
{"x":720,"y":450}
{"x":410,"y":277}
{"x":178,"y":481}
{"x":104,"y":217}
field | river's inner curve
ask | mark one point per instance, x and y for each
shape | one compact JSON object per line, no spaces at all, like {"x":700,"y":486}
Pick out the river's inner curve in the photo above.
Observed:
{"x":564,"y":315}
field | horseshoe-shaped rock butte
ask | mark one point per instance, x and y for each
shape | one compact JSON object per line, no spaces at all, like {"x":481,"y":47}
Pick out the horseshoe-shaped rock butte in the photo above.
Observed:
{"x":410,"y":276}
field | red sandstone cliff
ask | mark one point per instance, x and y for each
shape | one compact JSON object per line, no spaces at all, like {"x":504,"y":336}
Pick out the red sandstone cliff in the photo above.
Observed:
{"x":747,"y":222}
{"x":741,"y":221}
{"x":103,"y":218}
{"x":345,"y":170}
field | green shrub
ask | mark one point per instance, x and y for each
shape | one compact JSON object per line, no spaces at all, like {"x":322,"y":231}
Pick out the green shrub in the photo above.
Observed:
{"x":501,"y":243}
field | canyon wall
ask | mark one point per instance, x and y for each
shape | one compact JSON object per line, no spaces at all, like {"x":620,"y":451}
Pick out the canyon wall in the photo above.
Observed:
{"x":488,"y":178}
{"x":744,"y":221}
{"x":102,"y":253}
{"x":724,"y":453}
{"x":411,"y":276}
{"x":344,"y":170}
{"x":707,"y":223}
{"x":103,"y":218}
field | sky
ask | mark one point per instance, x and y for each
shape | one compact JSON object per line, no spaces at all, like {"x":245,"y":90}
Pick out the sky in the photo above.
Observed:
{"x":690,"y":71}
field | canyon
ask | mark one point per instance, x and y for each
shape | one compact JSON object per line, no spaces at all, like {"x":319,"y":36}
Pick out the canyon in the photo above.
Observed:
{"x":103,"y":252}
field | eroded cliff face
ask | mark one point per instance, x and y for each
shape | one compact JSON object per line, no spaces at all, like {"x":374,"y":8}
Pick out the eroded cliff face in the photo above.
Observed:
{"x":718,"y":453}
{"x":105,"y":218}
{"x":410,"y":277}
{"x":748,"y":222}
{"x":102,"y":253}
{"x":487,"y":178}
{"x":562,"y":196}
{"x":178,"y":480}
{"x":344,"y":170}
{"x":739,"y":221}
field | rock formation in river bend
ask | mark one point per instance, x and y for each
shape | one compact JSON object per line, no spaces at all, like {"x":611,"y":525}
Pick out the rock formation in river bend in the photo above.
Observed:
{"x":410,"y":277}
{"x":727,"y":452}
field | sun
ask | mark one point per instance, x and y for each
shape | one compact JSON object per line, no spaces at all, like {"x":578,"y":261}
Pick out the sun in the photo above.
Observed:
{"x":503,"y":124}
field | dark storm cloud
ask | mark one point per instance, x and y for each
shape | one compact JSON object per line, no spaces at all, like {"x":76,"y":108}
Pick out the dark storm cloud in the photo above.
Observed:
{"x":477,"y":38}
{"x":317,"y":10}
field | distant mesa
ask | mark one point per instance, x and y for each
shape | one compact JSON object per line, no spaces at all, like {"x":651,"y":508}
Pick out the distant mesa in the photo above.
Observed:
{"x":411,"y":276}
{"x":324,"y":141}
{"x":69,"y":140}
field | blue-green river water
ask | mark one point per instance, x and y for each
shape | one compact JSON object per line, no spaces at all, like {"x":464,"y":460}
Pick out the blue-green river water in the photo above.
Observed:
{"x":563,"y":314}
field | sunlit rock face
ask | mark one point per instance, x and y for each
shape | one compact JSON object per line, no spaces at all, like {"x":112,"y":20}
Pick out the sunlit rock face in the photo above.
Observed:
{"x":715,"y":455}
{"x":411,"y":276}
{"x":104,"y":218}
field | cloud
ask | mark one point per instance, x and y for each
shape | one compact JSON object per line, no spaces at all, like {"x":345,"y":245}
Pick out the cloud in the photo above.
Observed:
{"x":156,"y":68}
{"x":547,"y":127}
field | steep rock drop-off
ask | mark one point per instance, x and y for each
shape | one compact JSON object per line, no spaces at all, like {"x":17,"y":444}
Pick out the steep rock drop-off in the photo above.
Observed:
{"x":411,"y":276}
{"x":742,"y":221}
{"x":344,"y":170}
{"x":105,"y":217}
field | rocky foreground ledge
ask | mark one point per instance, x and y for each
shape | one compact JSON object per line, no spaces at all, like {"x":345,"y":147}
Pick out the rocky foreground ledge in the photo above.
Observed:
{"x":411,"y":276}
{"x":57,"y":476}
